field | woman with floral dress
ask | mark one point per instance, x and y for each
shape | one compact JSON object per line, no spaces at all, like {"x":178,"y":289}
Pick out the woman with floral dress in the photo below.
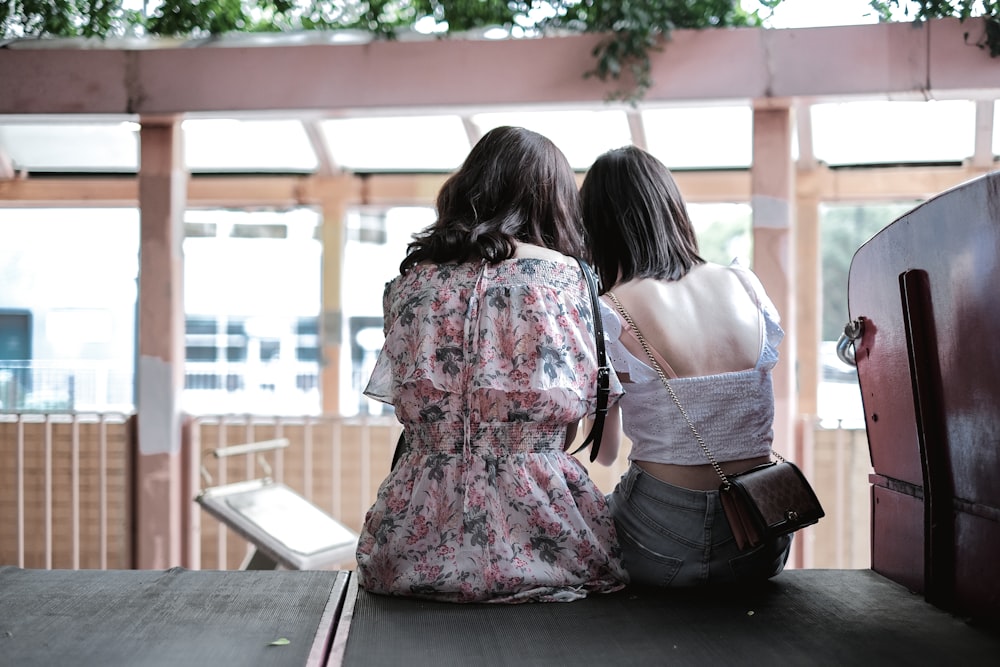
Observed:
{"x":490,"y":363}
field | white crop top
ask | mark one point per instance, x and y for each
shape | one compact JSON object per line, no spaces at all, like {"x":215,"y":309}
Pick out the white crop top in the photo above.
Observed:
{"x":733,"y":412}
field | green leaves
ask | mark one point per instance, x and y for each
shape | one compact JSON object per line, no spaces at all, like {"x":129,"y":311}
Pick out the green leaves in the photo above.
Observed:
{"x":178,"y":18}
{"x":933,"y":9}
{"x":64,"y":18}
{"x":637,"y":28}
{"x":989,"y":10}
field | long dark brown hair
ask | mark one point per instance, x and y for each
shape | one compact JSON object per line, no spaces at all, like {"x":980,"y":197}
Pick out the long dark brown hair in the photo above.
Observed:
{"x":636,"y":220}
{"x":515,"y":185}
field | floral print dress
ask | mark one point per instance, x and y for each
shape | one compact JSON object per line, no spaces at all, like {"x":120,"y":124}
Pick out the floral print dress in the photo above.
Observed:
{"x":486,"y":366}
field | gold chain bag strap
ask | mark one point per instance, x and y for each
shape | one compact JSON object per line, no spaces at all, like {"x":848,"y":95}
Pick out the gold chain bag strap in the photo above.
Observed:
{"x":762,"y":503}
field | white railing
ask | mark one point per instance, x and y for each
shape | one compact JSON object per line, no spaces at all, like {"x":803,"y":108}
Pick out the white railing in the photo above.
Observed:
{"x":54,"y":386}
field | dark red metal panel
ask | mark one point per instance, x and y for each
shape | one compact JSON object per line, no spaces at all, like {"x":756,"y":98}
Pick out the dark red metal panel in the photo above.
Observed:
{"x":976,"y":578}
{"x":928,"y":290}
{"x":898,"y":537}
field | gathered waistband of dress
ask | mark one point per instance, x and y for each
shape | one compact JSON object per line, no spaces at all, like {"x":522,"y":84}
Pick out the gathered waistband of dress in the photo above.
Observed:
{"x":638,"y":480}
{"x":498,"y":437}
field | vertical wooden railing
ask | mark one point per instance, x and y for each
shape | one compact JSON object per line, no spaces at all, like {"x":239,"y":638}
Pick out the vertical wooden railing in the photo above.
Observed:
{"x":65,"y":484}
{"x":64,"y":501}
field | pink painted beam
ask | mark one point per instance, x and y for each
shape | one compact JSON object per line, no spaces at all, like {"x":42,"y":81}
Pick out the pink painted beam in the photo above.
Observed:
{"x":889,"y":61}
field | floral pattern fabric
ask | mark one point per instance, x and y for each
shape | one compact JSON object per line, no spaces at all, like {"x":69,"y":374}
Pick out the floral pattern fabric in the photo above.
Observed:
{"x":486,"y":366}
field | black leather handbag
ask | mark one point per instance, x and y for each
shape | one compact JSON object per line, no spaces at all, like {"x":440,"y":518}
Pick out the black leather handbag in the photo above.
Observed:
{"x":767,"y":501}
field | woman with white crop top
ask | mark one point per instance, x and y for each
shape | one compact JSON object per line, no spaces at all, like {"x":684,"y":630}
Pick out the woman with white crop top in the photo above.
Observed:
{"x":714,"y":333}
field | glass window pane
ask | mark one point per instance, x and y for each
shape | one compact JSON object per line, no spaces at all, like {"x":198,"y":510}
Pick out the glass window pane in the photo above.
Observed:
{"x":843,"y":229}
{"x":893,"y":132}
{"x":247,"y":145}
{"x":72,"y":147}
{"x":254,"y":290}
{"x":700,"y":137}
{"x":724,"y":232}
{"x":996,"y":129}
{"x":79,"y":294}
{"x":411,"y":143}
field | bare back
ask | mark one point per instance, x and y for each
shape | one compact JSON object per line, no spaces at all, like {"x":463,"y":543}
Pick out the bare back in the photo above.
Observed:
{"x":704,"y":324}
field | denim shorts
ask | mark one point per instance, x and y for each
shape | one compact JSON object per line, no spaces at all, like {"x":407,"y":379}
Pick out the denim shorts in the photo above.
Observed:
{"x":672,"y":536}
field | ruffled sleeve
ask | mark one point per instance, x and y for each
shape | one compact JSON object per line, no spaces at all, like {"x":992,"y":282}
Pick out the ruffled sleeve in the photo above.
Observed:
{"x":380,"y":382}
{"x":621,"y":359}
{"x":421,"y":335}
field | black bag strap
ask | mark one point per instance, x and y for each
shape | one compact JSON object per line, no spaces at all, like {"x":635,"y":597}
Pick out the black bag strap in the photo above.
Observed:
{"x":603,"y":370}
{"x":398,"y":452}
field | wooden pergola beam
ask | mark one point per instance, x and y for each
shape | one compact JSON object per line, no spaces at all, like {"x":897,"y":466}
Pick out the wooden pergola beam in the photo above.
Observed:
{"x":884,"y":61}
{"x":821,"y":183}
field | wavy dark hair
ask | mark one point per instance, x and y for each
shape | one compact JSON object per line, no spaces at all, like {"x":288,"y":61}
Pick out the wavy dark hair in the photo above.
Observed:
{"x":636,"y":220}
{"x":515,"y":185}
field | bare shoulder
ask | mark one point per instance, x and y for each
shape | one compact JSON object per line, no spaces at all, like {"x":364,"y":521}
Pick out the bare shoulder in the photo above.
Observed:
{"x":746,"y":273}
{"x":702,"y":278}
{"x":725,"y":272}
{"x":733,"y":279}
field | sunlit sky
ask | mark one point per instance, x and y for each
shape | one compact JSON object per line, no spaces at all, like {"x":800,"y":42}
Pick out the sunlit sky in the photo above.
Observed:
{"x":790,"y":14}
{"x":814,"y":13}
